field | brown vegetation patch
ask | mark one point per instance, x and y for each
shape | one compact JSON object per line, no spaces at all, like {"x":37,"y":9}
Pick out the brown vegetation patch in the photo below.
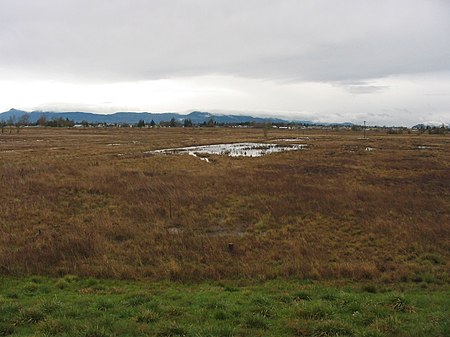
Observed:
{"x":326,"y":212}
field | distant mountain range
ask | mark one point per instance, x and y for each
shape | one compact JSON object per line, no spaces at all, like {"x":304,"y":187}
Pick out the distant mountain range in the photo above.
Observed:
{"x":196,"y":117}
{"x":133,"y":117}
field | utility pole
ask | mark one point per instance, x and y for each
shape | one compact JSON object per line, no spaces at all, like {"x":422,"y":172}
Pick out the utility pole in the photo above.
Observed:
{"x":364,"y":129}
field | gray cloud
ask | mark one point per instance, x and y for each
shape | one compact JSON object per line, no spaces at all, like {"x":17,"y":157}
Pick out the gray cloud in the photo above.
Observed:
{"x":119,"y":40}
{"x":361,"y":87}
{"x":384,"y":61}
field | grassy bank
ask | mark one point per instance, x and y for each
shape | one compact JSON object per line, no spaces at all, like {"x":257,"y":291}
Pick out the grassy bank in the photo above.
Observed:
{"x":73,"y":306}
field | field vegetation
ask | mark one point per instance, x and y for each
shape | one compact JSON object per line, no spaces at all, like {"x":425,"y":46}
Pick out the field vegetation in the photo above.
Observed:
{"x":91,"y":202}
{"x":84,"y":307}
{"x":347,"y":237}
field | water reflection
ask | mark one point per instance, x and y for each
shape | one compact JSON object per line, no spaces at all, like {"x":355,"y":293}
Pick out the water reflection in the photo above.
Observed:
{"x":233,"y":149}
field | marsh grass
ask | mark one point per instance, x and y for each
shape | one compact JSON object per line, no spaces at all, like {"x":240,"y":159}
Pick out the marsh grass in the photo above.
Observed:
{"x":69,"y":204}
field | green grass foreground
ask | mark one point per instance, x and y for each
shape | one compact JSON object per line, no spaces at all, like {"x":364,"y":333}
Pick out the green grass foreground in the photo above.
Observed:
{"x":73,"y":306}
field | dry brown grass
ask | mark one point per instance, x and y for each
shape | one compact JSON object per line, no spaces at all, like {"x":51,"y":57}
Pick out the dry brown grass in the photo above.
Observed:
{"x":69,"y":203}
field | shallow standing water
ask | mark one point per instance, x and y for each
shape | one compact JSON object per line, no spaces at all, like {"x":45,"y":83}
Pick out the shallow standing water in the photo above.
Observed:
{"x":233,"y":149}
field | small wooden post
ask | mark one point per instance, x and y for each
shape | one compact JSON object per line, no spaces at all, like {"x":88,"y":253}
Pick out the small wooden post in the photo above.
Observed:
{"x":231,"y":247}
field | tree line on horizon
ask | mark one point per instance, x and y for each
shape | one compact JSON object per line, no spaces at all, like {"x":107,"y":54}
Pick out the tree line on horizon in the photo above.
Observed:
{"x":44,"y":121}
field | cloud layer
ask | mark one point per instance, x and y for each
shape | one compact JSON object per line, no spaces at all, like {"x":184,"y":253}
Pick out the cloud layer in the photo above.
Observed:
{"x":287,"y":40}
{"x":352,"y":44}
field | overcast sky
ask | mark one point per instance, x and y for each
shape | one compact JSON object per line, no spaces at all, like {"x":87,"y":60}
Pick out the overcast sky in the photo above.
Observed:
{"x":384,"y":61}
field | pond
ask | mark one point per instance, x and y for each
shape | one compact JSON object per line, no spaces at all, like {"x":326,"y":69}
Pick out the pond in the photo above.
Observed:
{"x":232,"y":149}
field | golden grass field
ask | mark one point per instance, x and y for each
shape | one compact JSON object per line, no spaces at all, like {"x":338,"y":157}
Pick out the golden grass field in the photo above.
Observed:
{"x":90,"y":202}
